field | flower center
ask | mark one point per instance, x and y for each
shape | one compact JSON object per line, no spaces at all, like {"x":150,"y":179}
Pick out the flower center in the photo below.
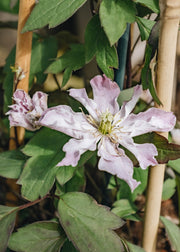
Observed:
{"x":105,"y":125}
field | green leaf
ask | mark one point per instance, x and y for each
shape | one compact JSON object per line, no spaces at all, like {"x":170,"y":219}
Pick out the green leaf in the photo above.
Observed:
{"x":114,"y":16}
{"x":38,"y":176}
{"x":153,"y":4}
{"x":125,"y":95}
{"x":124,"y":189}
{"x":9,"y":6}
{"x":132,"y":247}
{"x":145,"y":27}
{"x":51,"y":13}
{"x":11,"y":163}
{"x":65,"y":173}
{"x":123,"y":207}
{"x":43,"y":51}
{"x":96,"y":43}
{"x":68,"y":247}
{"x":146,"y":74}
{"x":76,"y":183}
{"x":44,"y":236}
{"x":175,"y":164}
{"x":87,"y":224}
{"x":7,"y":221}
{"x":169,"y":188}
{"x":39,"y":173}
{"x":173,"y":233}
{"x":166,"y":151}
{"x":106,"y":58}
{"x":71,"y":60}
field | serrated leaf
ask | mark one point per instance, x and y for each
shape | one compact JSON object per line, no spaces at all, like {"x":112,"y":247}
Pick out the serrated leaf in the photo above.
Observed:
{"x":11,"y":163}
{"x":70,"y":61}
{"x":114,"y":16}
{"x":145,"y":27}
{"x":153,"y":4}
{"x":7,"y":221}
{"x":44,"y":236}
{"x":173,"y":233}
{"x":51,"y":13}
{"x":166,"y":151}
{"x":89,"y":225}
{"x":169,"y":188}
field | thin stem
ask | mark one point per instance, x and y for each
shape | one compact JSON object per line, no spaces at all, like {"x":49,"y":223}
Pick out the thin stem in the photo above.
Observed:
{"x":29,"y":204}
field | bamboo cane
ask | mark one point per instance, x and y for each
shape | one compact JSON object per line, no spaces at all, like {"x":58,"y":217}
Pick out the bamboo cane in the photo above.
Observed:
{"x":170,"y":16}
{"x":23,"y":58}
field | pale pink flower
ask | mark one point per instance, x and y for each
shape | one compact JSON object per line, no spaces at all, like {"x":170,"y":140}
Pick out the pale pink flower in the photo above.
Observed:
{"x":25,"y":112}
{"x":106,"y":127}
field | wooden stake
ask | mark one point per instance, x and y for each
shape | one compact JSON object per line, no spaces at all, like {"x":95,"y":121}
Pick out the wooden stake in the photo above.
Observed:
{"x":23,"y":58}
{"x":170,"y":16}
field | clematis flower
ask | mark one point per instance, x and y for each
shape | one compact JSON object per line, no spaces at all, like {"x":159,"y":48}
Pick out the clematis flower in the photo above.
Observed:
{"x":106,"y":127}
{"x":26,"y":111}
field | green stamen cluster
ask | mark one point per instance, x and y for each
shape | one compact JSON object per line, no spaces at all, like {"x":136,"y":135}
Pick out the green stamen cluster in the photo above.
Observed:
{"x":105,"y":125}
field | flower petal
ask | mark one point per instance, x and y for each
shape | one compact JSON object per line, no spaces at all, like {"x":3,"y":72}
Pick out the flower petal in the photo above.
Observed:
{"x":105,"y":94}
{"x":81,"y":96}
{"x":75,"y":147}
{"x":143,"y":152}
{"x":63,"y":118}
{"x":151,"y":120}
{"x":17,"y":117}
{"x":114,"y":161}
{"x":128,"y":106}
{"x":39,"y":101}
{"x":23,"y":99}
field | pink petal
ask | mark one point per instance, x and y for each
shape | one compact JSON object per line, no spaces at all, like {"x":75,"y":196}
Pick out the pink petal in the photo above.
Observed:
{"x":63,"y":118}
{"x":114,"y":161}
{"x":39,"y":101}
{"x":151,"y":120}
{"x":128,"y":106}
{"x":74,"y":148}
{"x":105,"y":94}
{"x":81,"y":96}
{"x":19,"y":119}
{"x":23,"y":99}
{"x":145,"y":153}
